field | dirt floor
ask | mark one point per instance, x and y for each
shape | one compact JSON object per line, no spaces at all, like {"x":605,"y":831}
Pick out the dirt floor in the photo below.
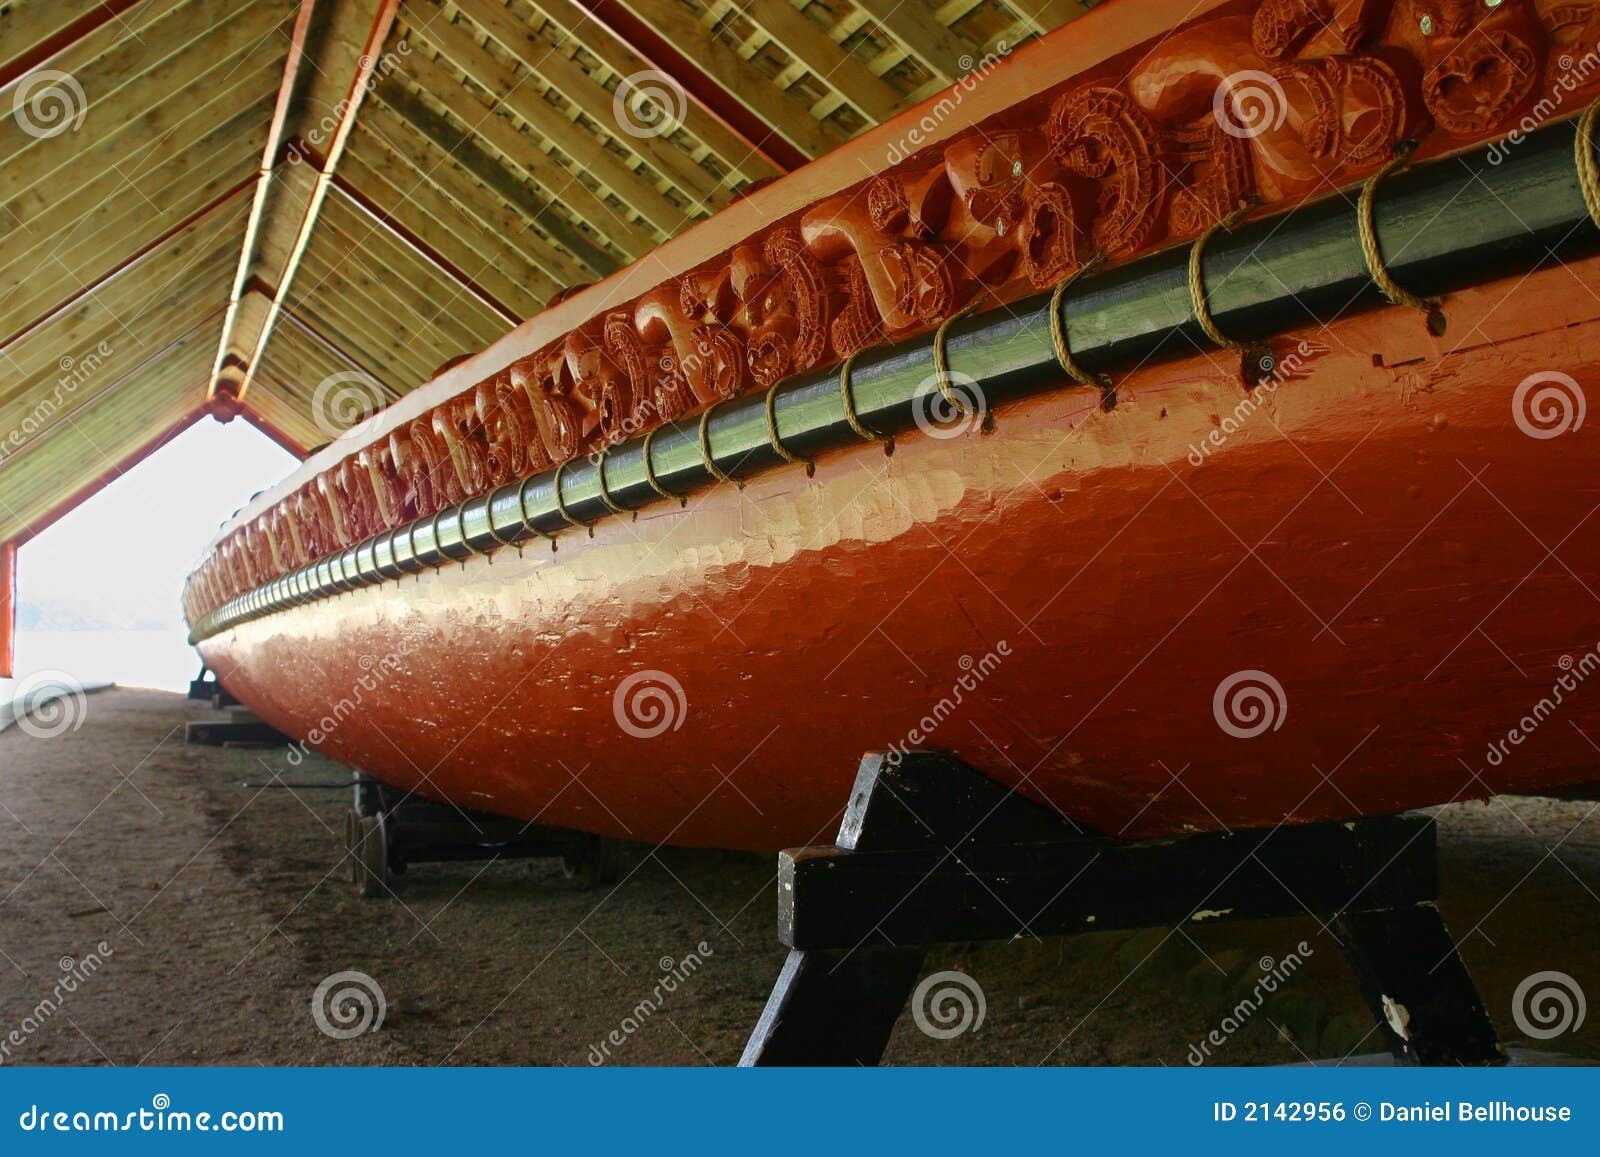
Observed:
{"x":195,"y":904}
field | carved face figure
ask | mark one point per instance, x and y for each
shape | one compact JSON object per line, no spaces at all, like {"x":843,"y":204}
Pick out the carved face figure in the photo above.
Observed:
{"x":1480,"y":58}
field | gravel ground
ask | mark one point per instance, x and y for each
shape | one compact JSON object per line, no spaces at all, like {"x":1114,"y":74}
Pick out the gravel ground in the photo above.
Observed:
{"x":196,"y":912}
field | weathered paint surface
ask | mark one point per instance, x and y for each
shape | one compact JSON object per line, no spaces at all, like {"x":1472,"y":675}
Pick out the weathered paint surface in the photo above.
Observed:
{"x":1381,"y":537}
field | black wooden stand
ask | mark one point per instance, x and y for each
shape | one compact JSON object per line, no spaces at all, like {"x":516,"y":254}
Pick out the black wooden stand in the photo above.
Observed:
{"x":388,"y":829}
{"x":930,"y":851}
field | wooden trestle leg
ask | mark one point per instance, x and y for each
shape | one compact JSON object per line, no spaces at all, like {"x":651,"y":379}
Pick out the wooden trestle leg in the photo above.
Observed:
{"x":930,"y":851}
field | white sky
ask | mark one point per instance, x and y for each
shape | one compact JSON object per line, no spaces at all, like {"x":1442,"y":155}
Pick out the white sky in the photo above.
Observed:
{"x":104,"y":582}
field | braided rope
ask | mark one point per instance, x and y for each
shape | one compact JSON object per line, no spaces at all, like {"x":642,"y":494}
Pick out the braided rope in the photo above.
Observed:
{"x":941,"y":362}
{"x":561,"y":504}
{"x":522,"y":509}
{"x":1197,"y":281}
{"x":1370,"y":250}
{"x":605,"y":489}
{"x":650,"y":472}
{"x":1058,"y":332}
{"x":777,"y":443}
{"x":1588,"y":167}
{"x":705,"y":449}
{"x":847,"y":396}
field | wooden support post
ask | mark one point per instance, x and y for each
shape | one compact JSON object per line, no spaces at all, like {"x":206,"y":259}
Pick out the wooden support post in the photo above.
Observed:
{"x":930,"y":851}
{"x":8,"y":610}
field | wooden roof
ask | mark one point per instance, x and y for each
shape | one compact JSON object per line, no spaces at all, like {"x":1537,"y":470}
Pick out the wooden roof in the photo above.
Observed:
{"x":287,"y":209}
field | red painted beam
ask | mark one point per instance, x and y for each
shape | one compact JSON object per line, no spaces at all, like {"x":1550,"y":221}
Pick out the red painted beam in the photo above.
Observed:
{"x":127,"y":263}
{"x":274,"y":431}
{"x":46,"y":51}
{"x":8,"y":610}
{"x":646,"y":43}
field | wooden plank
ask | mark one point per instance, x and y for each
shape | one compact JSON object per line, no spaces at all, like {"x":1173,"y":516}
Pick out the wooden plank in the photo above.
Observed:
{"x":425,"y":212}
{"x":152,"y":103}
{"x":135,"y":271}
{"x":435,"y":162}
{"x":736,"y":152}
{"x":593,"y":99}
{"x":685,"y":35}
{"x":400,"y":363}
{"x":117,"y":204}
{"x":809,"y":43}
{"x":582,"y":146}
{"x":33,"y":30}
{"x":112,"y":170}
{"x":522,"y":151}
{"x":944,"y":53}
{"x":90,"y":253}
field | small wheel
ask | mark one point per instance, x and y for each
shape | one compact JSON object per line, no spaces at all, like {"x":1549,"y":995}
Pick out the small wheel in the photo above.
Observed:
{"x":369,"y":854}
{"x":597,"y":863}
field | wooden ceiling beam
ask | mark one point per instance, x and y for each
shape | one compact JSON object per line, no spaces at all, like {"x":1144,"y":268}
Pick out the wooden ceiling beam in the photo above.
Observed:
{"x":672,"y":42}
{"x":132,"y":262}
{"x":293,"y":62}
{"x":425,"y":166}
{"x":588,"y":96}
{"x":736,"y":151}
{"x":367,"y":64}
{"x":834,"y":67}
{"x":482,"y":122}
{"x":39,"y":32}
{"x":146,"y":107}
{"x":511,"y":285}
{"x":946,"y":54}
{"x":585,"y":150}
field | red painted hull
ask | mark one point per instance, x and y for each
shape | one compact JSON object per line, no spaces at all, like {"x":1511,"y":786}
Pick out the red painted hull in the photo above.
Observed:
{"x":1384,"y":540}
